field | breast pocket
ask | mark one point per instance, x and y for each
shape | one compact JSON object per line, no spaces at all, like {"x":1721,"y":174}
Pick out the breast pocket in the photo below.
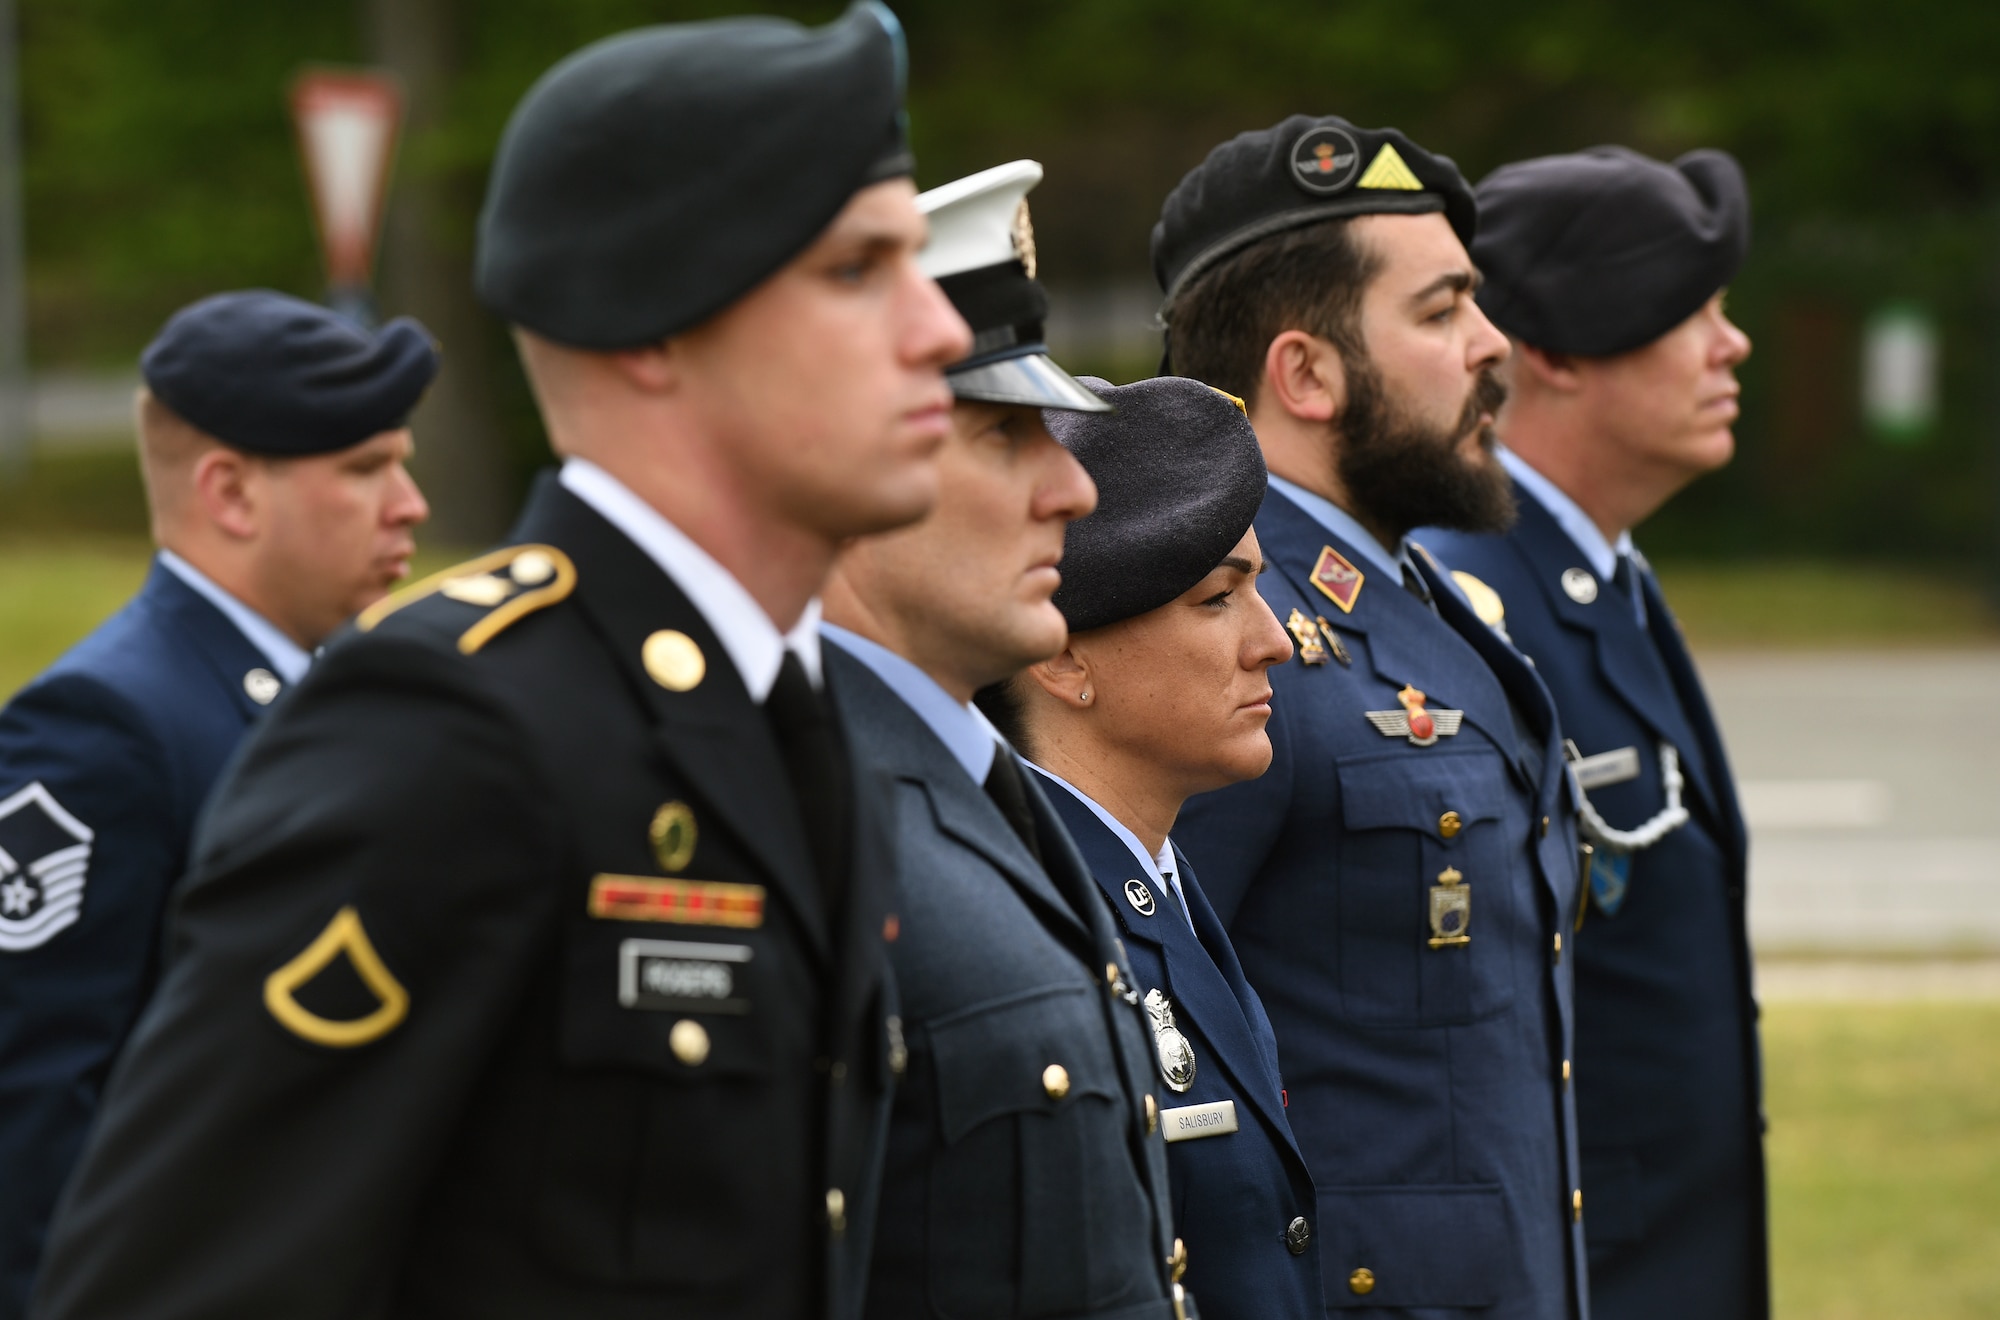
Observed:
{"x":1428,"y":873}
{"x":670,"y":1141}
{"x":1033,"y":1204}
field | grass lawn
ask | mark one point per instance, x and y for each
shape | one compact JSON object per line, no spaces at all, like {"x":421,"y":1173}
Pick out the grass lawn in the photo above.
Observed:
{"x":1885,"y":1160}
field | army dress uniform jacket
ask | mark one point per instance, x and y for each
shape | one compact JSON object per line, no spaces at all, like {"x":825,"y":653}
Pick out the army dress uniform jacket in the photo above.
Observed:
{"x":1666,"y":1048}
{"x":1243,"y":1199}
{"x":1427,"y":1077}
{"x":502,"y":986}
{"x":1025,"y":1175}
{"x":105,"y":762}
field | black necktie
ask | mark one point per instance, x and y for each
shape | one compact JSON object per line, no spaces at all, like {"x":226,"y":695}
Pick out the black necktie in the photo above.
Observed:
{"x":1414,"y":584}
{"x":816,"y":764}
{"x":1009,"y":791}
{"x":1626,"y":579}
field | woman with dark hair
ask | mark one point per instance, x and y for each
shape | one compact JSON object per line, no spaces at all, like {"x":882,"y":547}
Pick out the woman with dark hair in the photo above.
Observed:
{"x":1162,"y":694}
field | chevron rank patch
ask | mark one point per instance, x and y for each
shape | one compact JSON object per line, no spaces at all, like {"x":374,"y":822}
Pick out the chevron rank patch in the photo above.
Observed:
{"x":1389,"y":171}
{"x":44,"y":861}
{"x":1337,"y":579}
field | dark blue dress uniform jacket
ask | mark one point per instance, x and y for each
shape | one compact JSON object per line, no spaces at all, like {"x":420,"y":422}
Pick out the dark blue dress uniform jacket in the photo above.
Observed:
{"x":443,"y":1029}
{"x":1243,"y":1202}
{"x":1427,"y":1084}
{"x":1667,"y":1080}
{"x":1003,"y":1197}
{"x":125,"y":735}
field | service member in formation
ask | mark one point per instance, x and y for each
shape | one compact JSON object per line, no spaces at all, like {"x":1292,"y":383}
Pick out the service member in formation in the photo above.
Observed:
{"x":1162,"y":693}
{"x":531,"y":960}
{"x":1025,"y":1175}
{"x":1402,"y":883}
{"x":1607,"y":270}
{"x":272,"y":441}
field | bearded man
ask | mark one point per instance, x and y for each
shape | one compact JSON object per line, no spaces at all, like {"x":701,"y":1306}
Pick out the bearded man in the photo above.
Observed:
{"x":1400,"y":884}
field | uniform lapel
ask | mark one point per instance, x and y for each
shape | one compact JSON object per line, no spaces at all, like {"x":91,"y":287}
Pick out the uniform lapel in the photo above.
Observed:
{"x":716,"y":737}
{"x":1406,"y":643}
{"x":227,"y":651}
{"x":1203,"y":990}
{"x":1718,"y":783}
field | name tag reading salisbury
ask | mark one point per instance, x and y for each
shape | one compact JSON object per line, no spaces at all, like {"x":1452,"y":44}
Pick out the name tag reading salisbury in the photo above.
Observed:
{"x":1216,"y":1119}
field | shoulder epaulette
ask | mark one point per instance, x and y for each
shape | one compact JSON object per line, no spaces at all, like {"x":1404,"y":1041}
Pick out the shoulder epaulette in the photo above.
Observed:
{"x":513,"y":583}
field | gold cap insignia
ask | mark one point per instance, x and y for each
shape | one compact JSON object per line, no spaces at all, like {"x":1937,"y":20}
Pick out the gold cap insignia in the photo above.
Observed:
{"x":344,"y":934}
{"x":1024,"y":237}
{"x":1389,"y":172}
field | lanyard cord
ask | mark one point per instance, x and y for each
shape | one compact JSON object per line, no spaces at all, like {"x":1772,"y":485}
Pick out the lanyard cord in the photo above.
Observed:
{"x":1670,"y":818}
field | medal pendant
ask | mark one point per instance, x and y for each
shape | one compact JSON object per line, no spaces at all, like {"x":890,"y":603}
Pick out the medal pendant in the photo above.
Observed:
{"x":1311,"y":650}
{"x":1176,"y":1054}
{"x":1451,"y":910}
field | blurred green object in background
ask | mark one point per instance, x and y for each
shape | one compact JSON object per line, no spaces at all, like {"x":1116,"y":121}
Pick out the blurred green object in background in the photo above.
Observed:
{"x":1885,"y":1159}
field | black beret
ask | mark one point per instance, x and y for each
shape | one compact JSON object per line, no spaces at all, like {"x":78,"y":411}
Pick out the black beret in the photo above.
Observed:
{"x":1298,"y":173}
{"x":1605,"y":250}
{"x":1179,"y":480}
{"x":272,"y":374}
{"x":651,"y":179}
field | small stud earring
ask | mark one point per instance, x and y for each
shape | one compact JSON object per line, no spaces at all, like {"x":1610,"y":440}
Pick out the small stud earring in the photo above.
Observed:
{"x":1083,"y":695}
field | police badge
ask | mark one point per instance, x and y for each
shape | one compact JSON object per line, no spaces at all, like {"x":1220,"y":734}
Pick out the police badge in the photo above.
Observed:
{"x":1176,"y":1055}
{"x":1451,"y":909}
{"x":44,"y":855}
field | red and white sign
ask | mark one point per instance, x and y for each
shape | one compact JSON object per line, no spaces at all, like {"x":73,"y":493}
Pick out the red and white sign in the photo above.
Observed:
{"x":347,"y":123}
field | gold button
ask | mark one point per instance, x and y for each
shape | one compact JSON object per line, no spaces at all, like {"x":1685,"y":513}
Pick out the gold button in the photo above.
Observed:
{"x":1545,"y":827}
{"x":1576,"y":1205}
{"x":674,"y":660}
{"x":1559,"y":946}
{"x":1152,"y":1116}
{"x":689,"y":1042}
{"x":1449,"y":824}
{"x":1565,"y":1072}
{"x":1361,"y":1282}
{"x":1055,"y":1080}
{"x":1111,"y":975}
{"x":836,"y":1210}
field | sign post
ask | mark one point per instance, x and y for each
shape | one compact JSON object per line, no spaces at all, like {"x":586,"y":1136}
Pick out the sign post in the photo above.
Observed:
{"x":347,"y":123}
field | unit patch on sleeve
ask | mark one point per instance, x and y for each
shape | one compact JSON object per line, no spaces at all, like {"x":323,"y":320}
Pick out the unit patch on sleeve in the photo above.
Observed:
{"x":44,"y":860}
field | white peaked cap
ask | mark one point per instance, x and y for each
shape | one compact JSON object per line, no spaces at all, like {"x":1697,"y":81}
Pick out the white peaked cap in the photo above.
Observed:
{"x":973,"y":219}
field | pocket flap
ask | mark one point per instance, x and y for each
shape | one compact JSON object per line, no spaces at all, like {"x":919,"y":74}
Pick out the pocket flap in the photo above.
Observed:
{"x":999,"y":1057}
{"x":1416,"y":1246}
{"x":1396,"y":790}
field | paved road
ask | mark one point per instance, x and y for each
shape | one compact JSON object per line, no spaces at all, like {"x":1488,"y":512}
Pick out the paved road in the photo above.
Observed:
{"x":1872,"y":783}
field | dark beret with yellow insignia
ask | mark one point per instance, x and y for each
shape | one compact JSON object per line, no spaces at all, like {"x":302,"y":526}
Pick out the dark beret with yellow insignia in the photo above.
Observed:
{"x":650,"y":180}
{"x":271,"y":374}
{"x":1298,"y":173}
{"x":1602,"y":251}
{"x":1179,"y":479}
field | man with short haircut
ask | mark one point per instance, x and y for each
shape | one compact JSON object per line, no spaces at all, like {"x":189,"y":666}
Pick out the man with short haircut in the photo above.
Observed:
{"x":1026,"y":1174}
{"x":1607,"y":269}
{"x":531,"y":961}
{"x":1400,"y":884}
{"x":272,"y":441}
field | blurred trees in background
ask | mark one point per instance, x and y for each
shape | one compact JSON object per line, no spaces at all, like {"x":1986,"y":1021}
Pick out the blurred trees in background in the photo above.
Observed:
{"x":160,"y":167}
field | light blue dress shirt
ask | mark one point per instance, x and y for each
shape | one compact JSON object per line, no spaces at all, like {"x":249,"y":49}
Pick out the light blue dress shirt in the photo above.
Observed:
{"x":966,"y":733}
{"x":286,"y":656}
{"x":1159,"y":865}
{"x":1581,"y":529}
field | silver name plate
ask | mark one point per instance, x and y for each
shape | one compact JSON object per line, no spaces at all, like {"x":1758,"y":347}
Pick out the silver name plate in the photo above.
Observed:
{"x":676,"y":976}
{"x":1607,"y":768}
{"x":1191,"y":1121}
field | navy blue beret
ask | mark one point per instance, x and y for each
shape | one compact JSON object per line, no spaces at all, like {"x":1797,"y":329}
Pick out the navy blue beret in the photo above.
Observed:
{"x":1605,"y":250}
{"x":1294,"y":174}
{"x":275,"y":375}
{"x":1179,"y":480}
{"x":650,"y":180}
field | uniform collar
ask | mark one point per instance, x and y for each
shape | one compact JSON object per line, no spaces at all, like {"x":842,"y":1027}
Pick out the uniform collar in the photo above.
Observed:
{"x":286,"y":656}
{"x":965,"y":733}
{"x":753,"y":641}
{"x":1569,"y":515}
{"x":1348,"y":528}
{"x":1161,"y":865}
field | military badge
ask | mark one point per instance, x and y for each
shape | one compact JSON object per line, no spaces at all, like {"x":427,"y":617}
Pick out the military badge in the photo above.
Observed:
{"x":1311,"y":651}
{"x":1024,"y":238}
{"x":1337,"y":579}
{"x":1391,"y":172}
{"x":1451,"y":910}
{"x":1333,"y":641}
{"x":44,"y":859}
{"x":676,"y":902}
{"x":1140,"y":897}
{"x":344,"y":935}
{"x":1422,"y":727}
{"x":1580,"y":585}
{"x":262,"y":686}
{"x":1324,"y":160}
{"x":1610,"y":874}
{"x":1176,"y":1055}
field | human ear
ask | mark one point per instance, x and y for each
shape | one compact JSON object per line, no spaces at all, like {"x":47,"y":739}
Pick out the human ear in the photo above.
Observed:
{"x":1067,"y":677}
{"x":653,"y":369}
{"x":226,"y":486}
{"x":1303,"y":375}
{"x":1553,"y":371}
